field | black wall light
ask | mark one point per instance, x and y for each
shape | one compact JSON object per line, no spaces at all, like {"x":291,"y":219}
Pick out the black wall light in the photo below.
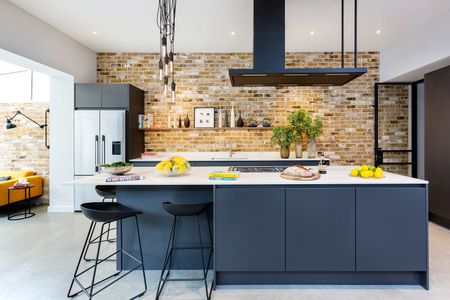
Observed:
{"x":11,"y":125}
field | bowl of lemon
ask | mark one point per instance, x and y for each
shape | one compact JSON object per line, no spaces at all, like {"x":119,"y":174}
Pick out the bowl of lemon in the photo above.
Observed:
{"x":175,"y":166}
{"x":367,"y":171}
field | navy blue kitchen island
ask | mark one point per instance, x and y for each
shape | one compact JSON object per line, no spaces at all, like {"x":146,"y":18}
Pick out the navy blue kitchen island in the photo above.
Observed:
{"x":268,"y":230}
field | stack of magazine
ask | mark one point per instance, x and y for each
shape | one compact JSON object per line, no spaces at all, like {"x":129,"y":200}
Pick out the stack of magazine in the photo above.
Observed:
{"x":224,"y":175}
{"x":124,"y":178}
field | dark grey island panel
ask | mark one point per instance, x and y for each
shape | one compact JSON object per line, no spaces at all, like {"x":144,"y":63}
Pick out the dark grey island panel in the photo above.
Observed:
{"x":249,"y":233}
{"x":320,"y":229}
{"x":293,"y":234}
{"x":391,"y":229}
{"x":332,"y":234}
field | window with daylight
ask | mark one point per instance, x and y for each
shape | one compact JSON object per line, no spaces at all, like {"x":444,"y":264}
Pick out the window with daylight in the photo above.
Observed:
{"x":18,"y":84}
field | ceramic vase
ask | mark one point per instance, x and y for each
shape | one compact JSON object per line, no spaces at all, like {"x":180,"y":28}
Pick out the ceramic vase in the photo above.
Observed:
{"x":284,"y":152}
{"x":311,"y":148}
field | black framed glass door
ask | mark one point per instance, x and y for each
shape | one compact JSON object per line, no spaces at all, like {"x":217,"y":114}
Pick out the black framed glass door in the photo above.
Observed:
{"x":396,"y":127}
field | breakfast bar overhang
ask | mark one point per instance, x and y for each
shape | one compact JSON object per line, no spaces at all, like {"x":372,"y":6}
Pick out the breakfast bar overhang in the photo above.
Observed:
{"x":269,"y":230}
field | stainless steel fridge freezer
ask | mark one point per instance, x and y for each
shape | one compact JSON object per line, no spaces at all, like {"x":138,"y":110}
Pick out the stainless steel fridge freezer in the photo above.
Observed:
{"x":99,"y":139}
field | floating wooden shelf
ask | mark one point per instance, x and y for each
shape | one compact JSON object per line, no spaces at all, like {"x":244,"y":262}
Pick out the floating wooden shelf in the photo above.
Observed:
{"x":215,"y":128}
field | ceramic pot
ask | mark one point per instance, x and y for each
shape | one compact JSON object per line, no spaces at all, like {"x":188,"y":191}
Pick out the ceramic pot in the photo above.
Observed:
{"x":299,"y":148}
{"x":284,"y":152}
{"x":312,"y":148}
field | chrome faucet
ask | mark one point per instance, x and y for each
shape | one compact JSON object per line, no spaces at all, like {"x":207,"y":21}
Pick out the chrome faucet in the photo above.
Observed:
{"x":231,"y":151}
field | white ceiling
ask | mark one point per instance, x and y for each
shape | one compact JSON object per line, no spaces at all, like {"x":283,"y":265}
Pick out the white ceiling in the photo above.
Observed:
{"x":205,"y":25}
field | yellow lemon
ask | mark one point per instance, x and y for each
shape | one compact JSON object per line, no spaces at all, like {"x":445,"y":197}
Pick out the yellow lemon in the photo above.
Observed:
{"x":378,"y":173}
{"x":365,"y":174}
{"x":355,"y":172}
{"x":364,"y":168}
{"x":178,"y":160}
{"x":160,"y":165}
{"x":370,"y":173}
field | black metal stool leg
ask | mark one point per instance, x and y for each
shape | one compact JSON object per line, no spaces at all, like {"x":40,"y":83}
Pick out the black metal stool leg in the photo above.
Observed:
{"x":205,"y":268}
{"x":167,"y":256}
{"x":90,"y":242}
{"x":79,"y":260}
{"x":142,"y":257}
{"x":96,"y":263}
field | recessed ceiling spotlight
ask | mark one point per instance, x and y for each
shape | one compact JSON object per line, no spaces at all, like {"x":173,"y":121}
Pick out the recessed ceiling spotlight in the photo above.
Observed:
{"x":232,"y":33}
{"x":378,"y":31}
{"x":311,"y":32}
{"x":94,"y":32}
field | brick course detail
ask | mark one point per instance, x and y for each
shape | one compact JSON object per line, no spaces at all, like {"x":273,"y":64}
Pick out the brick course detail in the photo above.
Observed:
{"x":202,"y":80}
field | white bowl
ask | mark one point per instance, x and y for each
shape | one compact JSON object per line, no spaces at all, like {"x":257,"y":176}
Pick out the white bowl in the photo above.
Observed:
{"x":116,"y":170}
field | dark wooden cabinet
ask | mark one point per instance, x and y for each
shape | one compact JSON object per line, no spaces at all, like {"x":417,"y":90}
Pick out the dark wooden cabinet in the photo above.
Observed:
{"x":320,"y":229}
{"x":391,"y":229}
{"x":88,"y":96}
{"x":250,"y":229}
{"x":437,"y":143}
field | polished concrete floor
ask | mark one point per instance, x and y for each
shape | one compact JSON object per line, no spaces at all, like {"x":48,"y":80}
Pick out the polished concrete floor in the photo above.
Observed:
{"x":38,"y":256}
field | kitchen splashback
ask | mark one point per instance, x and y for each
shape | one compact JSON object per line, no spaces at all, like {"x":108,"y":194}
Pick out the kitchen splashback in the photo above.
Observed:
{"x":202,"y":80}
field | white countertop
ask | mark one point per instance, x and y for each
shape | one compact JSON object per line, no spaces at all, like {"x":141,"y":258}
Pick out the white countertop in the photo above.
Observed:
{"x":199,"y":176}
{"x":220,"y":156}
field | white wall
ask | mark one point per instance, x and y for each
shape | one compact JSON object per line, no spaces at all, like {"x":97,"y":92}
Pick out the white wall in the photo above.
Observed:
{"x":24,"y":34}
{"x":32,"y":43}
{"x":424,"y":50}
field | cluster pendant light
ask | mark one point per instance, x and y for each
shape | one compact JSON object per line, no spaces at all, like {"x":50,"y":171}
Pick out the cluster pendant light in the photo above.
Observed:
{"x":166,"y":24}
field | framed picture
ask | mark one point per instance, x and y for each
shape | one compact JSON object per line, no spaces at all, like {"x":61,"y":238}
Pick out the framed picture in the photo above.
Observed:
{"x":204,"y":117}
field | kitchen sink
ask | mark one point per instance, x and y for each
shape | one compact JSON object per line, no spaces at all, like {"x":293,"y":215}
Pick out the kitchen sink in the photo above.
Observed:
{"x":229,"y":158}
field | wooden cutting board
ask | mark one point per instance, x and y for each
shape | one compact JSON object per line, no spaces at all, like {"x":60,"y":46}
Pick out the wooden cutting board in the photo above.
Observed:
{"x":290,"y":177}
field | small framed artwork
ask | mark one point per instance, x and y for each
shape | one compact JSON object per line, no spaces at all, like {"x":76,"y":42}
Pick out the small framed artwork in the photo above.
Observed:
{"x":204,"y":117}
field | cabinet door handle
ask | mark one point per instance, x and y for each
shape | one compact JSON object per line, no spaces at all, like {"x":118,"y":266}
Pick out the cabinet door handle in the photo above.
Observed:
{"x":104,"y":149}
{"x":96,"y":153}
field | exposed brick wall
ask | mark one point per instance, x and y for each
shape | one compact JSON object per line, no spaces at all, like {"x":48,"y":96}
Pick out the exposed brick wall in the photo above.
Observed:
{"x":23,"y":148}
{"x":393,"y":112}
{"x":202,"y":80}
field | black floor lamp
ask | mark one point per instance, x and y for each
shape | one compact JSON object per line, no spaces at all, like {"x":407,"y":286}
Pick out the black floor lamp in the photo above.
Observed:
{"x":11,"y":125}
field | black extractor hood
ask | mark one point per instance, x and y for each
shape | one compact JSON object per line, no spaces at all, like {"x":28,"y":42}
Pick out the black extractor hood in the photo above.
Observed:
{"x":269,"y":54}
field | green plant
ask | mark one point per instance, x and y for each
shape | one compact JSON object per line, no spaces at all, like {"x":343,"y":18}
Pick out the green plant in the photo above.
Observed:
{"x":313,"y":127}
{"x":298,"y":119}
{"x":283,"y":136}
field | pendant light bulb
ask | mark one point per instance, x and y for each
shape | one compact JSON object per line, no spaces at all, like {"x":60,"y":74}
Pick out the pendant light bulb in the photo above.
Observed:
{"x":164,"y":46}
{"x":166,"y":65}
{"x":172,"y":87}
{"x":161,"y":66}
{"x":166,"y":85}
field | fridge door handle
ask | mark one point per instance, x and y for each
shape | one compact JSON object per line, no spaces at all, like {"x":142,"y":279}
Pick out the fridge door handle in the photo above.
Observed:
{"x":96,"y":153}
{"x":104,"y":149}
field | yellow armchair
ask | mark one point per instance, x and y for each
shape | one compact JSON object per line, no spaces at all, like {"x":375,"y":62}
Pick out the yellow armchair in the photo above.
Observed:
{"x":19,"y":195}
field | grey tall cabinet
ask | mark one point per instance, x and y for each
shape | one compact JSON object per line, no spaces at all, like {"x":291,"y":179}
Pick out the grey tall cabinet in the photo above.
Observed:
{"x":116,"y":97}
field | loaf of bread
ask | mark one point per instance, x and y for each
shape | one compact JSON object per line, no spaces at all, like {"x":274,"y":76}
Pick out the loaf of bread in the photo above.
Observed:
{"x":300,"y":171}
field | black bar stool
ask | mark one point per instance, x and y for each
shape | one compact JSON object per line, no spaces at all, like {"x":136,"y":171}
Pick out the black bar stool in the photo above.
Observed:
{"x":107,"y":192}
{"x":185,"y":210}
{"x":105,"y":213}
